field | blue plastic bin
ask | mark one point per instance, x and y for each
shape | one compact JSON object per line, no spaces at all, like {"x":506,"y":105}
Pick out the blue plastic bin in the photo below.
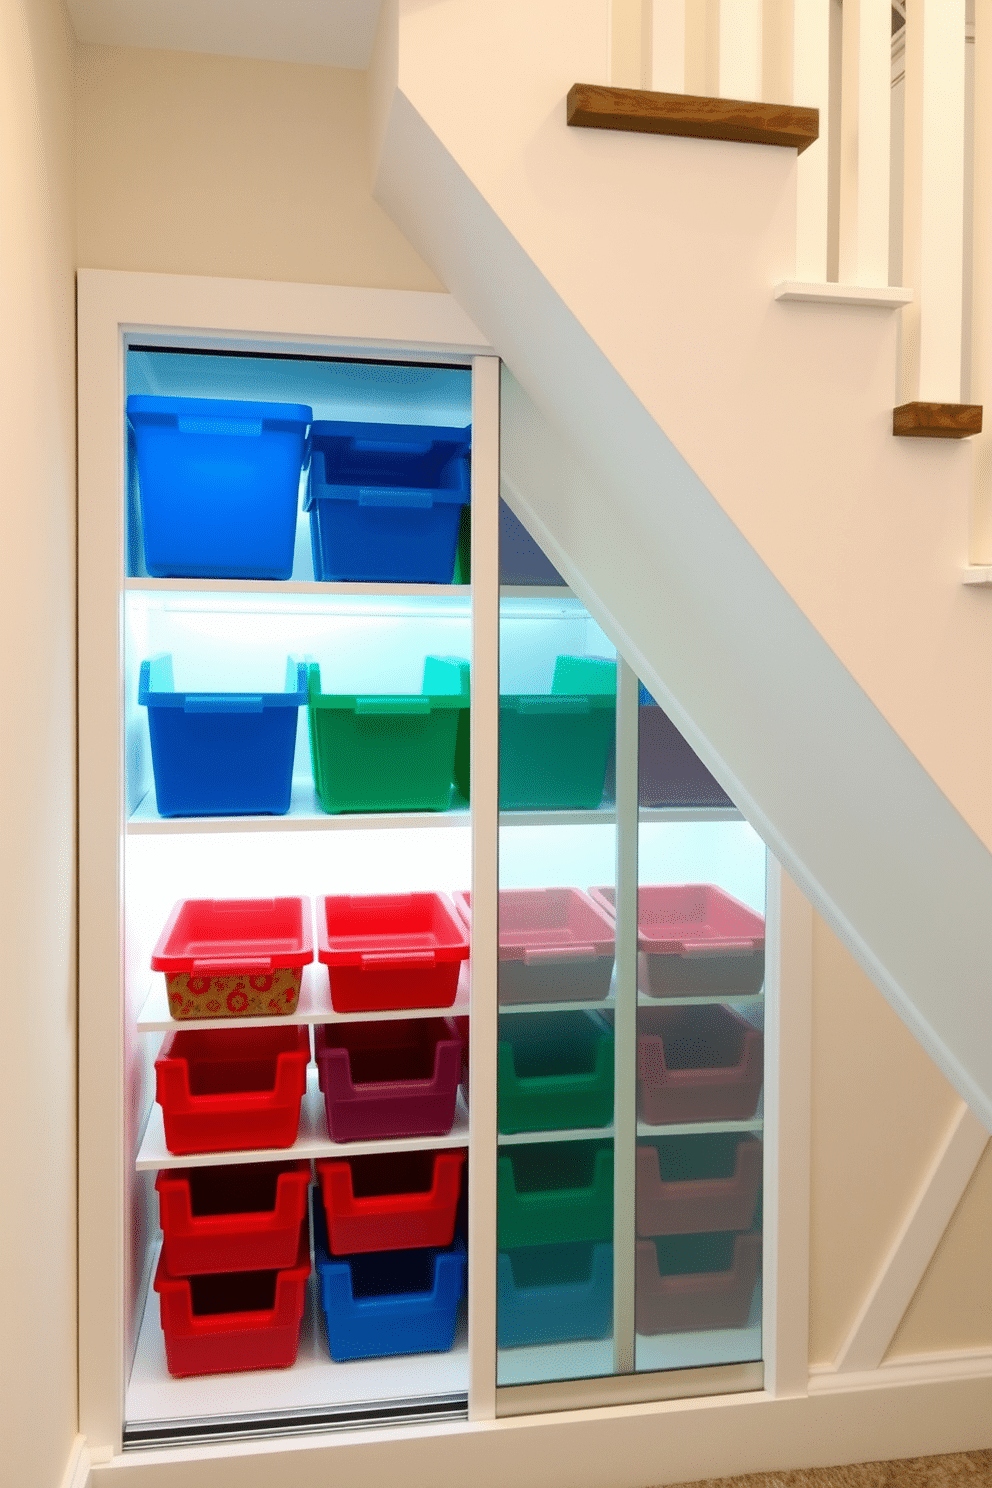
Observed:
{"x":385,"y":501}
{"x":553,"y":1294}
{"x":221,"y":753}
{"x":387,"y":1302}
{"x":219,"y":484}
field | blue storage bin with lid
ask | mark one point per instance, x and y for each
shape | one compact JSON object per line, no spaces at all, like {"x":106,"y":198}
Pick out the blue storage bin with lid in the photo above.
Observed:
{"x":221,"y":753}
{"x":387,"y":1302}
{"x":385,"y":501}
{"x":553,"y":1294}
{"x":218,"y":485}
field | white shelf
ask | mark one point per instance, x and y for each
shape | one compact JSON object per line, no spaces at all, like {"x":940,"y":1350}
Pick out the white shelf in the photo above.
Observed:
{"x":571,"y":1134}
{"x":606,"y":1005}
{"x":978,"y":574}
{"x":873,"y":296}
{"x":696,"y":1128}
{"x":304,"y":815}
{"x":536,"y":1363}
{"x":313,"y":1383}
{"x":314,"y":1006}
{"x":701,"y":999}
{"x":255,"y":589}
{"x":312,"y":1140}
{"x":606,"y":816}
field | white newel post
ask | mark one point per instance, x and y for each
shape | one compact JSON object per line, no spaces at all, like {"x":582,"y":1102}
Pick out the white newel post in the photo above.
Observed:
{"x":866,"y":85}
{"x":740,"y":49}
{"x":811,"y":89}
{"x":933,"y":235}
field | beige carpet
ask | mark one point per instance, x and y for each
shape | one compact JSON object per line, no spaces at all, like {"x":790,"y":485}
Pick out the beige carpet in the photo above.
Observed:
{"x":969,"y":1469}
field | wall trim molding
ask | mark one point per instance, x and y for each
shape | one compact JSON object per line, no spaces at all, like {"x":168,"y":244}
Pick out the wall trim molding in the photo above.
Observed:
{"x":77,"y":1467}
{"x":913,"y":1369}
{"x":913,"y":1247}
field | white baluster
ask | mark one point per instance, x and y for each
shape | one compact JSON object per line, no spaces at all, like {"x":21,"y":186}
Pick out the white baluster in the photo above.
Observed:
{"x":933,"y":234}
{"x":740,"y":49}
{"x":865,"y":130}
{"x":811,"y":89}
{"x":664,"y":45}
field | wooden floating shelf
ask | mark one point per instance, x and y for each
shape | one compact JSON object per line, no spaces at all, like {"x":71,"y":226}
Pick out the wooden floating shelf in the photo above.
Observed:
{"x":638,"y":111}
{"x":937,"y":420}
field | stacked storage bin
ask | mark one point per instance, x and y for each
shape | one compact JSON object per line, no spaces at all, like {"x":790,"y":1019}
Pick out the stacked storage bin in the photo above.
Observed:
{"x":555,"y":1074}
{"x":235,"y":1257}
{"x":698,"y":1195}
{"x":390,"y":1263}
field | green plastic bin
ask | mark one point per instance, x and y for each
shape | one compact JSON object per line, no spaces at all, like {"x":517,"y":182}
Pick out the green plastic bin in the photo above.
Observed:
{"x":386,"y":753}
{"x":554,"y":1193}
{"x":553,"y":747}
{"x":555,"y":1072}
{"x":438,"y":678}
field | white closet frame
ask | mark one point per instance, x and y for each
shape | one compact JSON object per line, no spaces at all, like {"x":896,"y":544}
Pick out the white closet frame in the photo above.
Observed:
{"x":198,"y":312}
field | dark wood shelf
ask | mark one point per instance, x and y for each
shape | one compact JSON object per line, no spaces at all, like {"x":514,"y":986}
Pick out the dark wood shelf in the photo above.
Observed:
{"x":636,"y":110}
{"x":937,"y":420}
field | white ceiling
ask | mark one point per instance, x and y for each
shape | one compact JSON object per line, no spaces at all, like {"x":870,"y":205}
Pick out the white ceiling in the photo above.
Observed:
{"x":334,"y":33}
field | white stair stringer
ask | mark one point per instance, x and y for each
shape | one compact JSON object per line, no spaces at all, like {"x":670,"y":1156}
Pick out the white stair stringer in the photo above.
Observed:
{"x":694,"y":459}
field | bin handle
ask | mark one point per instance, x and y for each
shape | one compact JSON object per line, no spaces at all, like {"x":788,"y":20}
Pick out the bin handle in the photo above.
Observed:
{"x":223,"y":702}
{"x":224,"y":963}
{"x":715,"y":948}
{"x":535,"y":955}
{"x":390,"y":496}
{"x":398,"y":958}
{"x":408,"y":704}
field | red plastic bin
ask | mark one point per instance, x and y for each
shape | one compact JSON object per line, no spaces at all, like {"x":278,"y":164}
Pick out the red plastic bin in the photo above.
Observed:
{"x":390,"y":1079}
{"x":694,"y":938}
{"x":691,"y":1205}
{"x":241,"y":1218}
{"x":234,"y":958}
{"x":555,"y":945}
{"x":697,"y":1063}
{"x":390,"y":950}
{"x":695,"y":1301}
{"x":225,"y":1089}
{"x":391,"y":1200}
{"x":234,"y":1321}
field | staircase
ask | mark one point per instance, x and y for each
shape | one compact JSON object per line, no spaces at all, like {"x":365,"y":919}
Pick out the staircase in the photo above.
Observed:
{"x":714,"y":472}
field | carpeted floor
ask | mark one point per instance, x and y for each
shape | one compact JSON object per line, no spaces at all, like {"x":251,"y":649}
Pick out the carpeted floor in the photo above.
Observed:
{"x":968,"y":1469}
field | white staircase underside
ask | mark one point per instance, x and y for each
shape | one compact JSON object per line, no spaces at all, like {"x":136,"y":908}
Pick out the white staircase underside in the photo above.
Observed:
{"x":714,"y":474}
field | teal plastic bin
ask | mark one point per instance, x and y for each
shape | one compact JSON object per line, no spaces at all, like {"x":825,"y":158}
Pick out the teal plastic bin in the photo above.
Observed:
{"x":386,"y":752}
{"x":553,"y":747}
{"x":555,"y":1072}
{"x":554,"y":1193}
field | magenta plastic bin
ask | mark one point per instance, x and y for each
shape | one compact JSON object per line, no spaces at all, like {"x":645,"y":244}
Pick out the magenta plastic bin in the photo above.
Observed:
{"x":695,"y":1301}
{"x":389,"y":1079}
{"x":690,"y":1205}
{"x":693,"y":939}
{"x":697,"y":1063}
{"x":555,"y":945}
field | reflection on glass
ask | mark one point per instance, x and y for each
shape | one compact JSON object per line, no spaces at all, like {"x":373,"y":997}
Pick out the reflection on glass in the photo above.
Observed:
{"x":700,"y":1025}
{"x":556,"y":964}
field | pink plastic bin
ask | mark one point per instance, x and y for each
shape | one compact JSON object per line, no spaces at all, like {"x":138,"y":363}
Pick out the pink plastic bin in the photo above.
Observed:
{"x":389,"y":1079}
{"x":391,"y":950}
{"x":241,"y":1218}
{"x":555,"y":945}
{"x":688,"y":1206}
{"x":695,"y":1301}
{"x":694,"y":938}
{"x":697,"y":1063}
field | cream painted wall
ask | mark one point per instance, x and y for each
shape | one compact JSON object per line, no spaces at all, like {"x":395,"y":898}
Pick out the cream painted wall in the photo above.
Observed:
{"x":190,"y":164}
{"x":879,"y":1112}
{"x":37,"y":758}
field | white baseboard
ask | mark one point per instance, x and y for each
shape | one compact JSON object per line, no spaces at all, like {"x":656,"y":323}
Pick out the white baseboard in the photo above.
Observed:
{"x":77,"y":1468}
{"x":912,"y":1369}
